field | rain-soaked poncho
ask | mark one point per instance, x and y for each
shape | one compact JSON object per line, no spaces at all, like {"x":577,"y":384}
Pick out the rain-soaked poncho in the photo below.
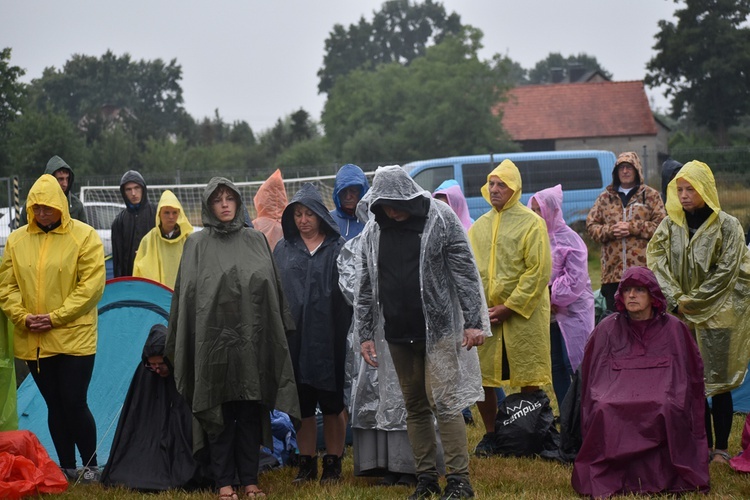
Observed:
{"x":456,"y":200}
{"x":642,"y":403}
{"x":570,"y":286}
{"x":708,"y":277}
{"x":376,"y":400}
{"x":322,"y":316}
{"x":513,"y":255}
{"x":270,"y":202}
{"x":228,"y":324}
{"x":452,"y":297}
{"x":158,"y":258}
{"x":348,"y":176}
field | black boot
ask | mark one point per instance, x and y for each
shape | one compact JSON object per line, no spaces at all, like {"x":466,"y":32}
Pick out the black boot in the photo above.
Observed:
{"x":308,"y":469}
{"x":331,"y":469}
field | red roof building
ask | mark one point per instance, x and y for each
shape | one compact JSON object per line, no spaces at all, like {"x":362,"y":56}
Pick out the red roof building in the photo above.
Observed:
{"x":615,"y":116}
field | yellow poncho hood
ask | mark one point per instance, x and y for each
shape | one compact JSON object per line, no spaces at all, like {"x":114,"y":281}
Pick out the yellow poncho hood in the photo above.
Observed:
{"x":509,"y":174}
{"x":699,"y":175}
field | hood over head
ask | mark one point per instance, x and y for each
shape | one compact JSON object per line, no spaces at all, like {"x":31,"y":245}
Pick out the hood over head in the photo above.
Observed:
{"x":668,"y":170}
{"x":309,"y":196}
{"x":632,"y":158}
{"x":699,"y":175}
{"x":641,"y":276}
{"x":56,"y":163}
{"x":133,"y":176}
{"x":47,"y":191}
{"x":271,"y":200}
{"x":550,"y":202}
{"x":347,"y":176}
{"x":155,"y":343}
{"x":511,"y":176}
{"x":207,"y":215}
{"x":392,"y":186}
{"x":456,"y":200}
{"x":168,"y":199}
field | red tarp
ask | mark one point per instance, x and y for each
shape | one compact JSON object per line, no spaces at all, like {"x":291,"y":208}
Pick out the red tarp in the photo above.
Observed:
{"x":25,"y":467}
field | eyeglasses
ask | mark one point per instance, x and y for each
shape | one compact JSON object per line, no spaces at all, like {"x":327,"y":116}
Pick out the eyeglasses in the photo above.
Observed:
{"x":625,"y":166}
{"x":155,"y":367}
{"x":42,"y":210}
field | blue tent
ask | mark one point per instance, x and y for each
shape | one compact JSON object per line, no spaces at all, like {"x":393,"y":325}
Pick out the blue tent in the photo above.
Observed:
{"x":741,"y":396}
{"x":128,"y":309}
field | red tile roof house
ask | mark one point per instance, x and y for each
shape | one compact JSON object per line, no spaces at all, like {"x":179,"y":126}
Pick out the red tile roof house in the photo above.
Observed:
{"x":615,"y":116}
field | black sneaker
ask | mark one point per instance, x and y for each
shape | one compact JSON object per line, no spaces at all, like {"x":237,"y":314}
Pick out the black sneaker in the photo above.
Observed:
{"x":486,"y":447}
{"x":427,"y":486}
{"x":457,"y":487}
{"x":90,"y":474}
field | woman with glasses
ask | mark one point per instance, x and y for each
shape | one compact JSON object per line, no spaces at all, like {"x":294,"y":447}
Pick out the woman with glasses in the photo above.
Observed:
{"x":51,"y":278}
{"x":227,"y":340}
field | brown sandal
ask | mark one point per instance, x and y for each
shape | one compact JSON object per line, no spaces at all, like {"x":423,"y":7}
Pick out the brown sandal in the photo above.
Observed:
{"x":252,"y":491}
{"x":229,"y":496}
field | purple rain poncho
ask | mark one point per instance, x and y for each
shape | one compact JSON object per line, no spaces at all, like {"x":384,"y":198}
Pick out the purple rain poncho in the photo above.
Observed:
{"x":642,"y":403}
{"x":570,"y":285}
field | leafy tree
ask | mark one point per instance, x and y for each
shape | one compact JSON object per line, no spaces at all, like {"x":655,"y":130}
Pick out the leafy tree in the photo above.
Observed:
{"x":12,"y":98}
{"x":399,"y":32}
{"x":35,"y":137}
{"x":509,"y":70}
{"x":144,"y":95}
{"x":163,"y":155}
{"x":313,"y":151}
{"x":440,"y":105}
{"x":704,"y":61}
{"x":542,"y":71}
{"x":115,"y":152}
{"x":241,"y":133}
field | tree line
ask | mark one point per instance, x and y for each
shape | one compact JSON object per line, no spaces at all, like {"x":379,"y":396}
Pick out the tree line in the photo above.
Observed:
{"x":405,"y":84}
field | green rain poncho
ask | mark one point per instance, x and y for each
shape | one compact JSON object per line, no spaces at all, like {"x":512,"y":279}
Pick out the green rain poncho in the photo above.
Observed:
{"x":512,"y":250}
{"x":708,"y":277}
{"x":228,"y":323}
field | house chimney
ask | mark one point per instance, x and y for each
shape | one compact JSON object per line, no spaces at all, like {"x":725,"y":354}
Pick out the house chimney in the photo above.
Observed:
{"x":576,"y":72}
{"x":556,"y":74}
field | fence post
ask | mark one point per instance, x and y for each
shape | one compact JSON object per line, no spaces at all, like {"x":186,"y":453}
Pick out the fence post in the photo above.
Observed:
{"x":16,"y":203}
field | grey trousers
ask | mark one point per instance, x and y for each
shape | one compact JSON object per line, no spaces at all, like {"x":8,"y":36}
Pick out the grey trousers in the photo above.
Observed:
{"x":409,"y":361}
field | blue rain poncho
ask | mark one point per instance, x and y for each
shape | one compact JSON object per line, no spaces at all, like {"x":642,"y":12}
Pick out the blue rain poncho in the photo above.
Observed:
{"x":451,"y":293}
{"x":708,"y":277}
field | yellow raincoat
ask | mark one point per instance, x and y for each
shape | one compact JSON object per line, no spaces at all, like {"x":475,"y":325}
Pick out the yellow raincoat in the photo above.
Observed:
{"x":512,"y":250}
{"x":158,"y":258}
{"x":60,"y":272}
{"x":708,"y":277}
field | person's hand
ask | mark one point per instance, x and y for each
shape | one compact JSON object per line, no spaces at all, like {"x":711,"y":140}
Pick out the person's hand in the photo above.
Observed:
{"x":553,"y":309}
{"x":621,"y":229}
{"x":499,"y":313}
{"x":472,"y":337}
{"x":38,"y":323}
{"x":367,"y":349}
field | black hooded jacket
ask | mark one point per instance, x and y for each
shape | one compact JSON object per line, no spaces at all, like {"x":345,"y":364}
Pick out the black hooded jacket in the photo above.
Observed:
{"x":310,"y":283}
{"x":668,"y":170}
{"x":130,"y":226}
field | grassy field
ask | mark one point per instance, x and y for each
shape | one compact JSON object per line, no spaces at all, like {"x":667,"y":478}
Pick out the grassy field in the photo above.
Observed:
{"x":502,"y":478}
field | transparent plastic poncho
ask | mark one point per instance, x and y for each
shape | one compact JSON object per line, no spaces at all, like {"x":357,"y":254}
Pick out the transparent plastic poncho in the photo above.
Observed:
{"x":452,"y":300}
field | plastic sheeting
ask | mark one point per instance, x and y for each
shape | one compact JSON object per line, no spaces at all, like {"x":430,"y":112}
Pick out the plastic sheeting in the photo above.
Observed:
{"x":708,"y":277}
{"x":25,"y":467}
{"x":450,"y":288}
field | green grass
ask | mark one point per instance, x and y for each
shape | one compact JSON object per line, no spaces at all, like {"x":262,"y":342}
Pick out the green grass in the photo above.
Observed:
{"x":501,"y":478}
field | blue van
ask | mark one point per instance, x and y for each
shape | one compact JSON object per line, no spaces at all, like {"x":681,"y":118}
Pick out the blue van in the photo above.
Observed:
{"x":582,"y":174}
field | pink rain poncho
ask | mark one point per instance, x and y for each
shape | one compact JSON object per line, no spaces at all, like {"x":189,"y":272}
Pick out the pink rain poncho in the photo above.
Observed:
{"x":642,"y":403}
{"x":570,"y":285}
{"x":456,"y":200}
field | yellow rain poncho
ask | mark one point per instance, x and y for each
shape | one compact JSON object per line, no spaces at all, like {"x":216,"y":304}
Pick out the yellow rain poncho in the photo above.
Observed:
{"x":512,"y":250}
{"x":158,"y":258}
{"x":708,"y":277}
{"x":60,"y":273}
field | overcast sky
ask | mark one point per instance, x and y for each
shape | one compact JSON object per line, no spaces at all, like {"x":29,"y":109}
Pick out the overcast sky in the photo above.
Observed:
{"x":258,"y":60}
